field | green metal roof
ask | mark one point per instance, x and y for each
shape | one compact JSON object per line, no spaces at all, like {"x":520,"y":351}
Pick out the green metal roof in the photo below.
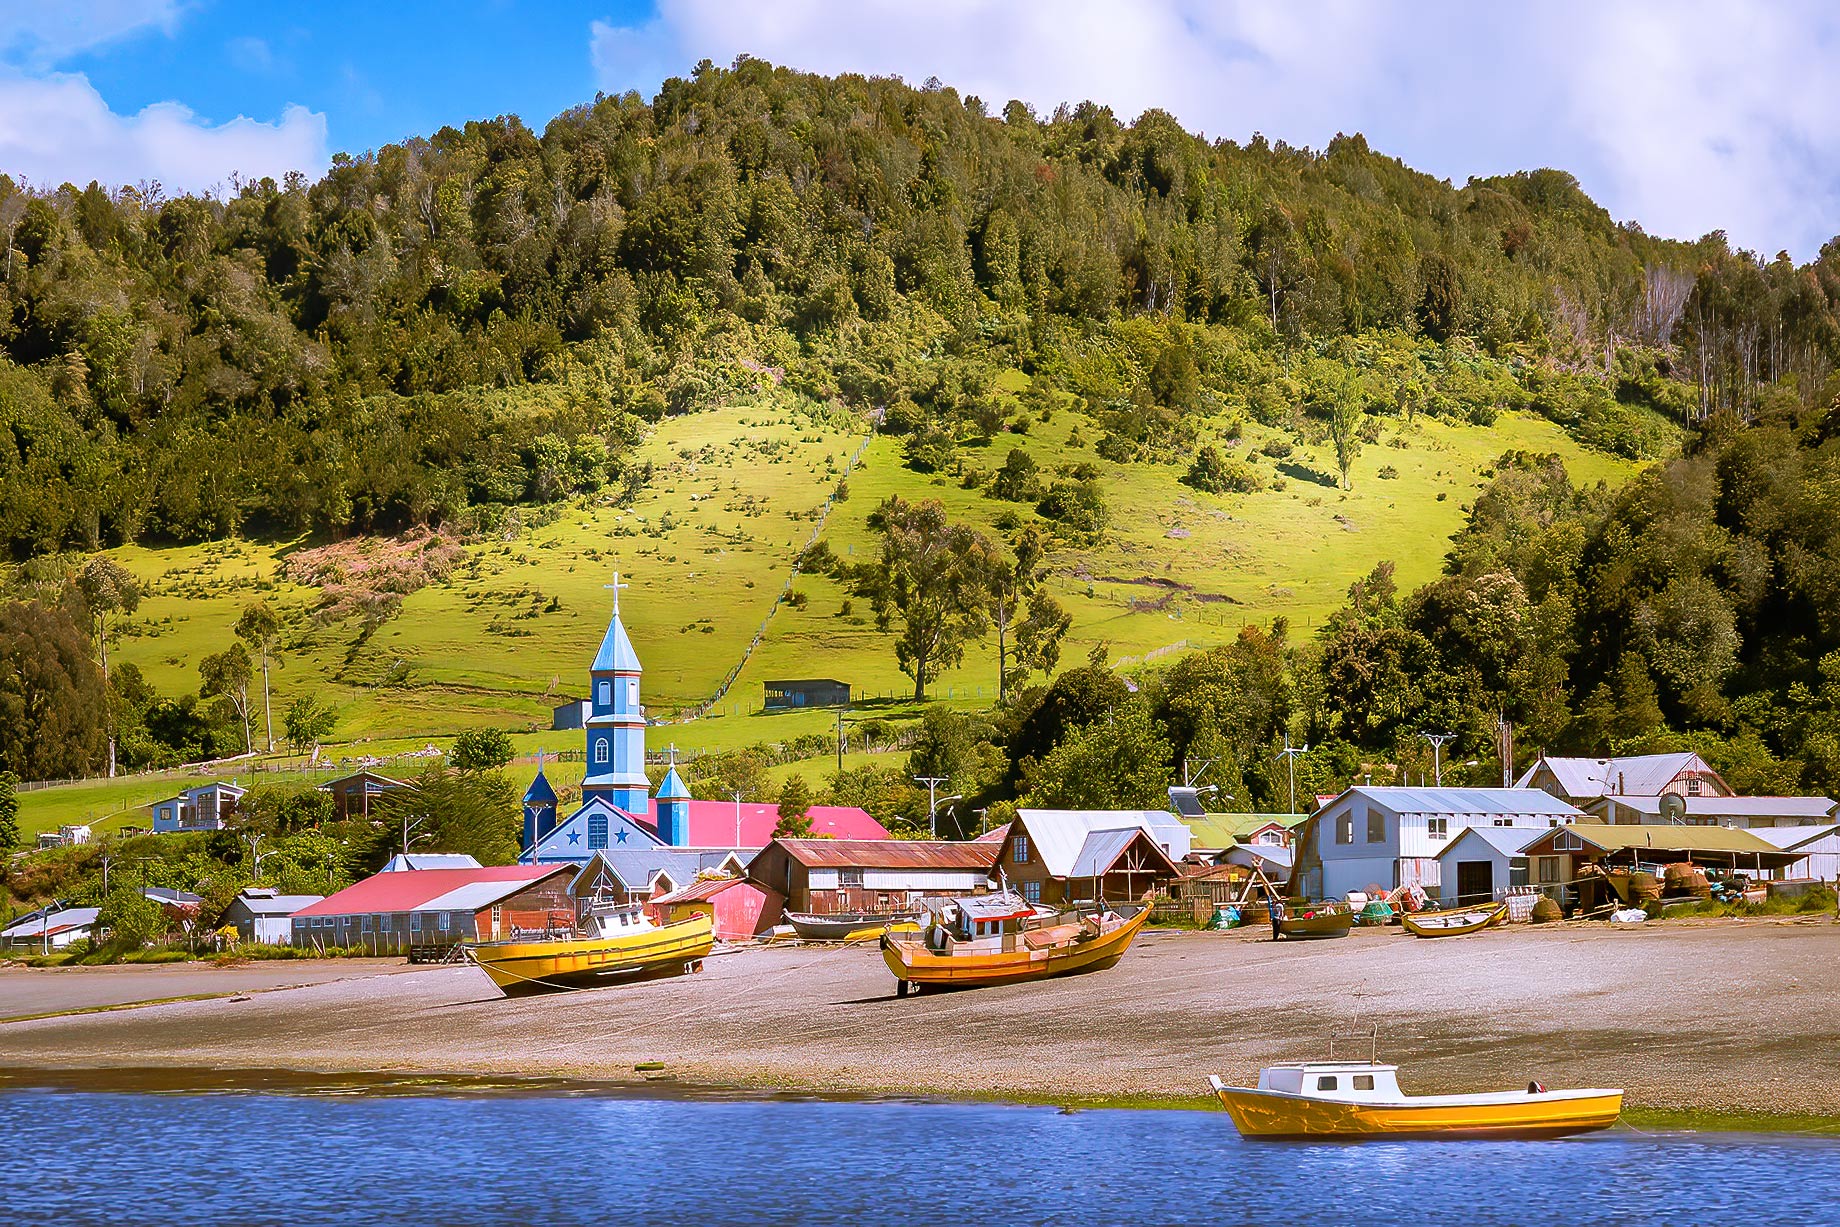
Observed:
{"x":1225,"y":830}
{"x":1668,"y":837}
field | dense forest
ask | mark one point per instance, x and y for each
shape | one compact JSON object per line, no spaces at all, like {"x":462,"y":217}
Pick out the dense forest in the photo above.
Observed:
{"x":443,"y":329}
{"x":487,"y":316}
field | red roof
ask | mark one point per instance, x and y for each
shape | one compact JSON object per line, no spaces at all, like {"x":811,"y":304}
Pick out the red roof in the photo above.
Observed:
{"x":712,"y":823}
{"x":708,"y":888}
{"x":891,"y":853}
{"x":407,"y":890}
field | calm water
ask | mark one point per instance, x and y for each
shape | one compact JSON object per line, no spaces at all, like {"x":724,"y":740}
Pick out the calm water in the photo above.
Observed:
{"x":78,"y":1158}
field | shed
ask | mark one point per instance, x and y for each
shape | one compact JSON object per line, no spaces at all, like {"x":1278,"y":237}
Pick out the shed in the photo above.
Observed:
{"x":1483,"y":862}
{"x":740,"y":909}
{"x":1560,"y":858}
{"x":263,"y":914}
{"x":570,"y":715}
{"x":807,"y":692}
{"x":823,"y":876}
{"x":1819,"y":845}
{"x":415,"y":909}
{"x":53,"y":927}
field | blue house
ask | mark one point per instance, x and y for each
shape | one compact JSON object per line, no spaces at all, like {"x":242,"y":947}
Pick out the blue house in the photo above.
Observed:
{"x":208,"y":807}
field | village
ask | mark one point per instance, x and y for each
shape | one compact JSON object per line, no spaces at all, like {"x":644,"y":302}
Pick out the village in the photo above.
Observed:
{"x":1631,"y":837}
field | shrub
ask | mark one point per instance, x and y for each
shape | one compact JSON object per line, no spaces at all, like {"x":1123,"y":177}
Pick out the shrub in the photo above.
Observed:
{"x":1117,"y":448}
{"x":1018,"y":480}
{"x":1388,"y":472}
{"x":1277,"y":449}
{"x":1213,"y":473}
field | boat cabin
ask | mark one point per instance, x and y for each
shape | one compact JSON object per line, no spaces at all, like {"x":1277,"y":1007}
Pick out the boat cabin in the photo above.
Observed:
{"x":615,"y":919}
{"x":980,"y":916}
{"x":1351,"y":1080}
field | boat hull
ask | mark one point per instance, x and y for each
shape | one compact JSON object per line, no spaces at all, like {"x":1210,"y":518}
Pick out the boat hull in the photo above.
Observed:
{"x":1322,"y":924}
{"x":526,"y":968}
{"x":913,"y":964}
{"x":846,"y":927}
{"x":1417,"y":924}
{"x":1276,"y":1115}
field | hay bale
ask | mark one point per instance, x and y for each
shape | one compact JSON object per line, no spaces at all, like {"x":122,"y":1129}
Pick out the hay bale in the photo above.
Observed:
{"x":1545,"y":911}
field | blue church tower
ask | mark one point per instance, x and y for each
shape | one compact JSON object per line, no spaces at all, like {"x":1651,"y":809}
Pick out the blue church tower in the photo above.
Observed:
{"x":616,"y":722}
{"x":539,"y":809}
{"x":674,"y":808}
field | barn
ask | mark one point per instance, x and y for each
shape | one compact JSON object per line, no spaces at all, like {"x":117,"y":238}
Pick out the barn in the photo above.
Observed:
{"x":740,"y":909}
{"x":807,"y":692}
{"x":413,"y":910}
{"x":823,"y":876}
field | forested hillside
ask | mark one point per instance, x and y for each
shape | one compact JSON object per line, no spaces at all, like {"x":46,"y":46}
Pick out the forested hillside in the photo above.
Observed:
{"x":1044,"y":309}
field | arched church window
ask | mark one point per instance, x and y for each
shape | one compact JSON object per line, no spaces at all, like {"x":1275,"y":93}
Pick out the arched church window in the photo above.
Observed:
{"x":606,"y":693}
{"x":600,"y":750}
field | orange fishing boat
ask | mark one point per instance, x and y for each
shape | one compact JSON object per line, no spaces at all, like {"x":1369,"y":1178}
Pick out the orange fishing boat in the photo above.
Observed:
{"x":982,"y":940}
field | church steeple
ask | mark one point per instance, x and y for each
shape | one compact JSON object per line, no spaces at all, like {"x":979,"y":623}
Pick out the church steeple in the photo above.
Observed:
{"x":539,"y":808}
{"x":616,"y":721}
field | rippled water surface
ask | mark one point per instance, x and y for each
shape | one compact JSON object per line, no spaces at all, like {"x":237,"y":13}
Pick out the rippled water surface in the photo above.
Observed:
{"x":82,"y":1157}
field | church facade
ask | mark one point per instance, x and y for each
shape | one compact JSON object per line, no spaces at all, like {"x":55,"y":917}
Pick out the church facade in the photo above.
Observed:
{"x":619,"y":811}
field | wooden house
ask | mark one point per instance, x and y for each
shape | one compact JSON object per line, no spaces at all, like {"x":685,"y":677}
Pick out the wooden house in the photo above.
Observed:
{"x":739,"y":909}
{"x":420,"y":909}
{"x":870,"y":875}
{"x":1582,"y":781}
{"x":1062,"y":856}
{"x":354,"y":795}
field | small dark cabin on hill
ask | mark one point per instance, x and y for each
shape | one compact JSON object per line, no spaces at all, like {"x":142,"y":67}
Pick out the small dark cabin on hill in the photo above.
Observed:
{"x":807,"y":692}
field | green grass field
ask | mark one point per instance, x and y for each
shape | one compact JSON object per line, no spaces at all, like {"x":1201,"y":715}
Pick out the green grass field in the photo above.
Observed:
{"x":707,"y":549}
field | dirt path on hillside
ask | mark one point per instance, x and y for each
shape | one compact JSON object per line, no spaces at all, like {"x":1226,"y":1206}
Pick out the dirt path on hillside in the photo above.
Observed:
{"x":1726,"y":1015}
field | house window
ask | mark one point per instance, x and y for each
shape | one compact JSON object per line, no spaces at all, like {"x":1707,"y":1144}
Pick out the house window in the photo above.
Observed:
{"x":1549,"y":870}
{"x":364,"y":923}
{"x":444,"y":920}
{"x":1517,"y":871}
{"x":1376,"y":828}
{"x":1363,"y":1082}
{"x":1567,"y":842}
{"x":1693,"y":786}
{"x":1326,"y":1083}
{"x":597,"y":830}
{"x":1437,"y":828}
{"x":415,"y":922}
{"x":600,"y":749}
{"x":1344,"y":829}
{"x":606,"y":696}
{"x":383,"y":923}
{"x":1031,"y":891}
{"x":1020,"y":850}
{"x":849,"y":877}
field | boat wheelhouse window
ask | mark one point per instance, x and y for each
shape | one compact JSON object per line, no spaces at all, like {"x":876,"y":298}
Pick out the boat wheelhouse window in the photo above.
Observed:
{"x":1325,"y":1083}
{"x":1437,"y":828}
{"x":1344,"y":829}
{"x":1021,"y":850}
{"x":1031,"y":891}
{"x":1376,"y":828}
{"x":1363,"y":1082}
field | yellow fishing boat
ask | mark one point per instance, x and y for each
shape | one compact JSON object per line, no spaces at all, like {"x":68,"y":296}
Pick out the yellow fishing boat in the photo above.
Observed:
{"x":983,"y":940}
{"x":1362,"y":1099}
{"x":616,"y":944}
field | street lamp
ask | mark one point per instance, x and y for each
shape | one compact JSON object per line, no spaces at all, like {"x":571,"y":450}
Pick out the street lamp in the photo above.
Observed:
{"x":1438,"y":741}
{"x":932,"y":783}
{"x":1289,"y":753}
{"x":933,"y":818}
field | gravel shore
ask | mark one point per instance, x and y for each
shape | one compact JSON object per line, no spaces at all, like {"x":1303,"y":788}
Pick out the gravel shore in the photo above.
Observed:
{"x":1715,"y":1016}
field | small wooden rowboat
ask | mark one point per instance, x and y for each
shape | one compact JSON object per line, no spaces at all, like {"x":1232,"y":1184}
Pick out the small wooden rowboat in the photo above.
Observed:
{"x":618,"y":944}
{"x":1455,"y":922}
{"x":1360,"y":1099}
{"x":1310,"y":919}
{"x":846,"y":926}
{"x":986,"y":940}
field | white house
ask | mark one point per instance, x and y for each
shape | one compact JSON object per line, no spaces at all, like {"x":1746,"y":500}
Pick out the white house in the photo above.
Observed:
{"x":1481,"y":863}
{"x":261,"y":914}
{"x":1583,"y":780}
{"x":65,"y":836}
{"x":1749,"y":813}
{"x":207,"y":807}
{"x":1376,"y":839}
{"x":1820,"y":844}
{"x":53,"y":927}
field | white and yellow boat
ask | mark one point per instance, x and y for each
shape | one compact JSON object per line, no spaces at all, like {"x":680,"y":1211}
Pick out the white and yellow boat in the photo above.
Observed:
{"x":616,"y":944}
{"x":982,"y":940}
{"x":1362,"y":1099}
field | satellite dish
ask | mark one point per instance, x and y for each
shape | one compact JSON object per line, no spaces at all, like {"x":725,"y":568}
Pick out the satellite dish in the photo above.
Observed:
{"x":1674,"y":808}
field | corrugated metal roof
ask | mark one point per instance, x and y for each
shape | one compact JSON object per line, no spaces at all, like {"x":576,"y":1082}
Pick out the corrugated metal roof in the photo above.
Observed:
{"x":712,"y":823}
{"x":1058,"y":834}
{"x":1737,"y":807}
{"x":52,"y":925}
{"x":891,"y":853}
{"x":409,"y":890}
{"x":708,"y":888}
{"x":1667,"y":838}
{"x":1790,"y":838}
{"x":1219,"y":831}
{"x":1100,"y":850}
{"x":1506,"y":840}
{"x":276,"y":905}
{"x":404,"y":861}
{"x":1631,"y":775}
{"x":637,"y":867}
{"x":1493,"y":801}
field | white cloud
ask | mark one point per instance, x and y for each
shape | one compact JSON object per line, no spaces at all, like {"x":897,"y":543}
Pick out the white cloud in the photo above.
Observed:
{"x":57,"y":128}
{"x":1683,"y":115}
{"x":45,"y":32}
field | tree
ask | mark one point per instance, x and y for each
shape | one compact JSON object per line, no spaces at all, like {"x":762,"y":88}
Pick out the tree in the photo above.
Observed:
{"x":53,"y":703}
{"x":1338,"y":400}
{"x":1037,"y":632}
{"x":307,"y":722}
{"x":130,"y":917}
{"x":794,"y":808}
{"x":257,"y":627}
{"x":481,"y":750}
{"x":1121,"y":762}
{"x":9,"y":812}
{"x":227,"y":675}
{"x":1018,"y":480}
{"x":936,"y":579}
{"x":1213,"y":473}
{"x":107,"y":589}
{"x":470,"y":812}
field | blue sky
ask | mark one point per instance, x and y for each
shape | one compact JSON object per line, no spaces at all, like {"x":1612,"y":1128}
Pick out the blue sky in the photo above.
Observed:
{"x":1684,"y":115}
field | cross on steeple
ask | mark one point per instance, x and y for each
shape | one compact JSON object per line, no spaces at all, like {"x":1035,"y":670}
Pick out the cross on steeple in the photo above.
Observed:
{"x":616,"y":585}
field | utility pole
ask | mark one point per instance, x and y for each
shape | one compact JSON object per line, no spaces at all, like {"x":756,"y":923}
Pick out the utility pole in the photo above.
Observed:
{"x":1289,"y":754}
{"x":254,"y":840}
{"x":1438,"y":741}
{"x":840,"y":712}
{"x":1189,"y":781}
{"x":932,"y":783}
{"x":1504,"y":743}
{"x":736,"y":794}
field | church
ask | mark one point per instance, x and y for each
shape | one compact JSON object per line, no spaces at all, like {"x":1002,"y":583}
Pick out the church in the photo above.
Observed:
{"x":622,"y":819}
